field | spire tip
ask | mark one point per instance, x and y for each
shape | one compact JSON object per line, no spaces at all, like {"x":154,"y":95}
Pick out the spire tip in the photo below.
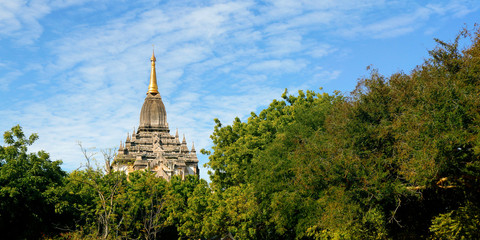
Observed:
{"x":153,"y":88}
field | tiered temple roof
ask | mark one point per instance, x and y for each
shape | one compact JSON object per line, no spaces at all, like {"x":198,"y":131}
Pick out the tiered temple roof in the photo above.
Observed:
{"x":151,"y":147}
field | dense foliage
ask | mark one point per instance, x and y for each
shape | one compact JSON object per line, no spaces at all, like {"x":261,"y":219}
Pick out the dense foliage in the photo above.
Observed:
{"x":399,"y":158}
{"x":27,"y":188}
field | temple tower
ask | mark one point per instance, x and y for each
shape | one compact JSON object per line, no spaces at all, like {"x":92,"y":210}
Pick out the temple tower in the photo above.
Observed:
{"x":151,"y":147}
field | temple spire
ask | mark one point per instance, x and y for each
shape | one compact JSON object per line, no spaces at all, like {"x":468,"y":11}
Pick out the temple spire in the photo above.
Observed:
{"x":193,"y":147}
{"x":153,"y":88}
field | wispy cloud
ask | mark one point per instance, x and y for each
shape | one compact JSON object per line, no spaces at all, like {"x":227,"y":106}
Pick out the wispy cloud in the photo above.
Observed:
{"x":278,"y":66}
{"x":20,"y":20}
{"x":8,"y":76}
{"x":410,"y":20}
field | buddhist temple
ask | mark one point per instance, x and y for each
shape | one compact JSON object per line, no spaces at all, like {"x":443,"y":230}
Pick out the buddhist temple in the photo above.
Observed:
{"x":151,"y":147}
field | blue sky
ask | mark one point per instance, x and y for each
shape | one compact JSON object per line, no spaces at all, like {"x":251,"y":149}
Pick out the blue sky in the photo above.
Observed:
{"x":78,"y":70}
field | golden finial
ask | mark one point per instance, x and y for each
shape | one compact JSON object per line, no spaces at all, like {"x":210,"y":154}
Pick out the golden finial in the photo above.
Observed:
{"x":153,"y":54}
{"x":153,"y":88}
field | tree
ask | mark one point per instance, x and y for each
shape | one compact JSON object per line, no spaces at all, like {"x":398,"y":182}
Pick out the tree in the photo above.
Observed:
{"x":27,"y":188}
{"x":461,"y":223}
{"x":92,"y":197}
{"x":398,"y":158}
{"x":143,"y":203}
{"x":258,"y":154}
{"x":232,"y":214}
{"x":193,"y":220}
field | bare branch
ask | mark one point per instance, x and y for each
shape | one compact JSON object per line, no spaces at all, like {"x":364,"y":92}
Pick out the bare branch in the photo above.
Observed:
{"x":108,"y":156}
{"x":88,"y":156}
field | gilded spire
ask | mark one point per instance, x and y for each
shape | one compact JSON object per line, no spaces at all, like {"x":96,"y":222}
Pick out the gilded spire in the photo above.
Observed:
{"x":153,"y":88}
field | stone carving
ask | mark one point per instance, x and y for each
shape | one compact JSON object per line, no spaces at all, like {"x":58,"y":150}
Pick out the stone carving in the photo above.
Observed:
{"x":151,"y":147}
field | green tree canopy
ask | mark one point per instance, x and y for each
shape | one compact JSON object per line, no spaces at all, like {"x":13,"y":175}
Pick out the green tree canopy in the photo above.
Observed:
{"x":398,"y":153}
{"x":27,"y":188}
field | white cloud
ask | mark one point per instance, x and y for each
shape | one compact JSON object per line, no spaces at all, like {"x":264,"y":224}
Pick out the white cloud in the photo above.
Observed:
{"x":8,"y":75}
{"x":391,"y":27}
{"x":20,"y":20}
{"x":278,"y":66}
{"x":453,"y":8}
{"x":319,"y":50}
{"x":282,"y":45}
{"x":326,"y":76}
{"x":414,"y":17}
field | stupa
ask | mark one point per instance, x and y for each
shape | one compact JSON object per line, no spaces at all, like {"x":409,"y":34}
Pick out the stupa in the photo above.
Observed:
{"x":151,"y":147}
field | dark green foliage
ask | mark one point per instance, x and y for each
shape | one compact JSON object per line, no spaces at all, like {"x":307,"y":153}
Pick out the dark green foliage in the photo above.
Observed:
{"x":461,"y":223}
{"x":400,"y":152}
{"x":27,"y":188}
